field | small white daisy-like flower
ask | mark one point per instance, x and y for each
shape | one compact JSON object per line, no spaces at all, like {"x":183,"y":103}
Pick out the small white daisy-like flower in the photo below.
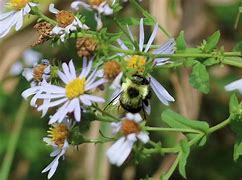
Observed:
{"x":19,"y":8}
{"x":131,"y":131}
{"x":39,"y":73}
{"x":57,"y":138}
{"x":76,"y":93}
{"x":67,"y":23}
{"x":137,"y":63}
{"x":99,"y":6}
{"x":236,"y":85}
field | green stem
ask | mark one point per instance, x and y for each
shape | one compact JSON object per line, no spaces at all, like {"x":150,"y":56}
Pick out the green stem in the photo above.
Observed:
{"x":105,"y":119}
{"x":171,"y":129}
{"x":37,"y":12}
{"x":219,"y":126}
{"x":95,"y":141}
{"x":172,"y":169}
{"x":232,"y":63}
{"x":177,"y":55}
{"x":161,"y":150}
{"x":14,"y":137}
{"x":149,"y":16}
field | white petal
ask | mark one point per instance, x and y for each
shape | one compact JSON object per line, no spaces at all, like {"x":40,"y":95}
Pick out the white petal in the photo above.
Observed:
{"x":30,"y":92}
{"x":127,"y":149}
{"x":94,"y":98}
{"x":60,"y":113}
{"x":52,"y":104}
{"x":19,"y":20}
{"x":77,"y":111}
{"x":160,"y":91}
{"x":95,"y":84}
{"x":141,"y":35}
{"x":130,"y":116}
{"x":53,"y":9}
{"x":67,"y":72}
{"x":77,"y":4}
{"x":122,"y":45}
{"x":63,"y":77}
{"x":72,"y":69}
{"x":137,"y":117}
{"x":236,"y":85}
{"x":115,"y":149}
{"x":28,"y":74}
{"x":152,"y":37}
{"x":144,"y":137}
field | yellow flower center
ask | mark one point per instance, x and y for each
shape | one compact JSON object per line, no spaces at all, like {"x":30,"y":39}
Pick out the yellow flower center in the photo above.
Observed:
{"x":18,"y":4}
{"x":95,"y":2}
{"x":64,"y":18}
{"x":58,"y":134}
{"x":137,"y":63}
{"x":75,"y":88}
{"x":129,"y":126}
{"x":111,"y":69}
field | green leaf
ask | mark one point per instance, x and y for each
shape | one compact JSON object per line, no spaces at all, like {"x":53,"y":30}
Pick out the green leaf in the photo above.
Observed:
{"x":210,"y":61}
{"x":238,"y":46}
{"x":212,"y":42}
{"x":76,"y":137}
{"x":238,"y":148}
{"x":233,"y":104}
{"x":180,"y":41}
{"x":199,"y":78}
{"x":184,"y":153}
{"x":175,"y":120}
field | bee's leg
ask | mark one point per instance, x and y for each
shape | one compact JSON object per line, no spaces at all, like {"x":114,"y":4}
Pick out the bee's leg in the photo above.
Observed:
{"x":143,"y":109}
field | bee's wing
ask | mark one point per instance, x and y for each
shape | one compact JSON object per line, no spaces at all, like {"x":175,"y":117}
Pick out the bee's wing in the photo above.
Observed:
{"x":114,"y":98}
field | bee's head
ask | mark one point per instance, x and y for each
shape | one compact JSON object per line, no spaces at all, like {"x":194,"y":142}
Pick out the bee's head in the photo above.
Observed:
{"x":45,"y":62}
{"x":139,"y":80}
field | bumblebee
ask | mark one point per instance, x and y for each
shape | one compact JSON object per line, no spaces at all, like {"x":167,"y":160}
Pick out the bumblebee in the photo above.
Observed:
{"x":135,"y":94}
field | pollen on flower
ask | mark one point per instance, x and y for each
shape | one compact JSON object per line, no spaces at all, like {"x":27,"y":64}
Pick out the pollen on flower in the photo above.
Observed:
{"x":64,"y":18}
{"x":75,"y":88}
{"x":58,"y":134}
{"x":18,"y":4}
{"x":137,"y":63}
{"x":129,"y":127}
{"x":111,"y":69}
{"x":95,"y":2}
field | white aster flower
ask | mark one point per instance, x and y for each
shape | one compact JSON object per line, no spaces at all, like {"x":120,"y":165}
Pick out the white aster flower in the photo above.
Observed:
{"x":75,"y":94}
{"x":57,"y":138}
{"x":130,"y":128}
{"x":28,"y":59}
{"x":67,"y":23}
{"x":99,"y":6}
{"x":236,"y":85}
{"x":20,"y":8}
{"x":137,"y":63}
{"x":38,"y":73}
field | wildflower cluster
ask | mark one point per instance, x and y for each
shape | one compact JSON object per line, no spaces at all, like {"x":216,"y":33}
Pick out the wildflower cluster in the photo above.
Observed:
{"x":120,"y":63}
